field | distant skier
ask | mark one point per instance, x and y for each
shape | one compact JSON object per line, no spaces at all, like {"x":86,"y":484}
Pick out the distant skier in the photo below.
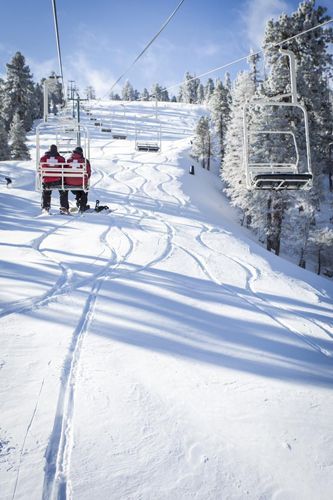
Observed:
{"x":77,"y":161}
{"x":52,"y":181}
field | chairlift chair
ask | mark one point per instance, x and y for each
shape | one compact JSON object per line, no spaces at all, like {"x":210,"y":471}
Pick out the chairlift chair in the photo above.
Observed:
{"x":282,"y":174}
{"x":148,"y":145}
{"x":62,"y":170}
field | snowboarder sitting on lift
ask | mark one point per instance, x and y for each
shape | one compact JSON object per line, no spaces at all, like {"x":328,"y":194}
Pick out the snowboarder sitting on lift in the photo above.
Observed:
{"x":51,"y":159}
{"x":78,"y":161}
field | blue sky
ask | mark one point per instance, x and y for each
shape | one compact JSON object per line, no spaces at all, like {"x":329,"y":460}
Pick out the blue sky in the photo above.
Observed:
{"x":100,"y":39}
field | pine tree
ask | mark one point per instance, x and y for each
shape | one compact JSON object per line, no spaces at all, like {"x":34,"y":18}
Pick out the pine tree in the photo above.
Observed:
{"x":322,"y":239}
{"x":38,"y":100}
{"x":90,"y":92}
{"x":114,"y":97}
{"x":232,"y":169}
{"x":4,"y":147}
{"x":127,"y":92}
{"x":209,"y":89}
{"x":219,"y":106}
{"x":145,"y":95}
{"x":55,"y":92}
{"x":18,"y":147}
{"x":189,"y":89}
{"x":314,"y":63}
{"x":18,"y":96}
{"x":156,"y":92}
{"x":253,"y":61}
{"x":202,"y":142}
{"x":200,"y":94}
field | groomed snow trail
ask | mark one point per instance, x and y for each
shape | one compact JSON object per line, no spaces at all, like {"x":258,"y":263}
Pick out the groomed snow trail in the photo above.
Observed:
{"x":156,"y":352}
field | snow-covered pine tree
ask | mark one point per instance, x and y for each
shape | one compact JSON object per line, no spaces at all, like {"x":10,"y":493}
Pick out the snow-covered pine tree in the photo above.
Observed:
{"x":156,"y":92}
{"x":4,"y":147}
{"x":251,"y":203}
{"x":253,"y":61}
{"x":38,"y":101}
{"x":17,"y":136}
{"x":298,"y":221}
{"x":202,"y":142}
{"x":219,"y":106}
{"x":90,"y":92}
{"x":322,"y":239}
{"x":314,"y":62}
{"x":209,"y":89}
{"x":114,"y":96}
{"x":127,"y":92}
{"x":189,"y":89}
{"x":200,"y":94}
{"x":56,"y":92}
{"x":165,"y":95}
{"x":145,"y":95}
{"x":2,"y":85}
{"x":18,"y":95}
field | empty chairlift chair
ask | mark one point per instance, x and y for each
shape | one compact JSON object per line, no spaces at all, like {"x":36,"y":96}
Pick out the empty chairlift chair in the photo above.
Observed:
{"x":142,"y":144}
{"x":277,"y":158}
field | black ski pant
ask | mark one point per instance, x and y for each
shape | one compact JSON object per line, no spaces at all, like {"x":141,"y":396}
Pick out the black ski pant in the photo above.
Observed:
{"x":46,"y":199}
{"x":81,"y":199}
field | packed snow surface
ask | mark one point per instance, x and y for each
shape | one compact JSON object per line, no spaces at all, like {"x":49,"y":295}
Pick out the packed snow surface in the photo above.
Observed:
{"x":156,"y":352}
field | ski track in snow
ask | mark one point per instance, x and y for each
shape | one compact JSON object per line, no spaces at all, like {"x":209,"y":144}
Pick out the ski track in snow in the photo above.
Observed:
{"x":55,"y":290}
{"x":57,"y":470}
{"x":262,"y":304}
{"x":253,"y":274}
{"x":57,"y":476}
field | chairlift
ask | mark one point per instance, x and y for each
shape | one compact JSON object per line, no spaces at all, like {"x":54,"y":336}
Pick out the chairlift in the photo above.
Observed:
{"x":65,"y":145}
{"x":282,"y":173}
{"x":141,"y":144}
{"x":119,"y":135}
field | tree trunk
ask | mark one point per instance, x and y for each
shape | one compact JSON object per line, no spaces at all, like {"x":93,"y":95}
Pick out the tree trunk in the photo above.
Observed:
{"x":208,"y":155}
{"x":319,"y":261}
{"x":269,"y":224}
{"x":277,"y":218}
{"x":302,"y":262}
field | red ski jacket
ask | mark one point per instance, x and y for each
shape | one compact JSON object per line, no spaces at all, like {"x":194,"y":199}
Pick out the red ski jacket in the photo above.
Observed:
{"x":51,"y":161}
{"x":77,"y":161}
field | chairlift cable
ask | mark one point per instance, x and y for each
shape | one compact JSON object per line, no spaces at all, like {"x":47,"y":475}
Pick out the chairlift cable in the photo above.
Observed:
{"x":148,"y":45}
{"x":57,"y":38}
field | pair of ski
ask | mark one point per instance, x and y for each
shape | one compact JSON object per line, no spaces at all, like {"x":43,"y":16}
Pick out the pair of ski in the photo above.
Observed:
{"x":98,"y":208}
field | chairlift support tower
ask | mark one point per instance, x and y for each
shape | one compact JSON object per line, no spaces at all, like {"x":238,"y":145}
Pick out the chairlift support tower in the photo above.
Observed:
{"x":271,"y":174}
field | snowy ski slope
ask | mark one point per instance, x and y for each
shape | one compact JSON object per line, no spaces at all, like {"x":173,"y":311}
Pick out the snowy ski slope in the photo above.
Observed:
{"x":156,"y":352}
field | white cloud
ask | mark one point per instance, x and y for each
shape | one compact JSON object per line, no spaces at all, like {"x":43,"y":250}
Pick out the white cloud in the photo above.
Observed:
{"x":84,"y":72}
{"x":42,"y":69}
{"x":256,"y":15}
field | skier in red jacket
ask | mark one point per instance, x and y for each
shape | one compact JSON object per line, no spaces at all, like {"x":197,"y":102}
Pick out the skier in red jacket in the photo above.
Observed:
{"x":77,"y":161}
{"x":52,"y":181}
